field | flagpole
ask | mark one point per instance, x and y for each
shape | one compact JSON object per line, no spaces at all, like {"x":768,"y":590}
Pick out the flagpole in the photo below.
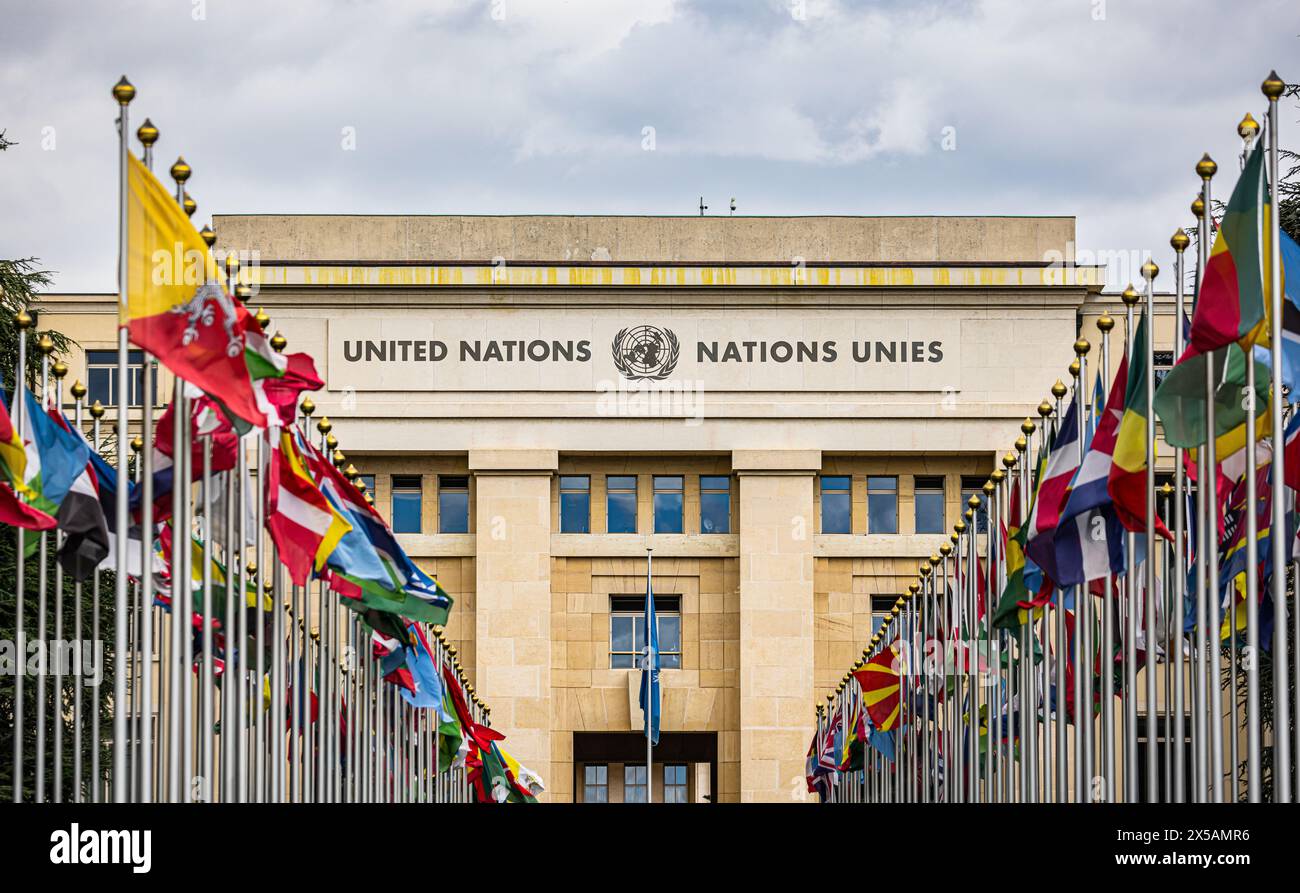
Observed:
{"x":59,"y":370}
{"x":45,"y":345}
{"x":1179,"y":241}
{"x":1130,"y":297}
{"x":22,"y":321}
{"x":1149,"y":272}
{"x":1206,"y":169}
{"x":1105,"y":323}
{"x":1273,"y":88}
{"x":649,"y":693}
{"x":123,"y":92}
{"x":1081,"y":757}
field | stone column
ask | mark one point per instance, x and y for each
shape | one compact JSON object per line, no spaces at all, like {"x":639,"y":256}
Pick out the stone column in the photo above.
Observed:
{"x":513,"y":591}
{"x":776,"y":620}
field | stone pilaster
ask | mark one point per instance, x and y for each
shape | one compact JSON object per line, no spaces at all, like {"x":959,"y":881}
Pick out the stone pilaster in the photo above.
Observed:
{"x":776,"y":620}
{"x":513,"y":592}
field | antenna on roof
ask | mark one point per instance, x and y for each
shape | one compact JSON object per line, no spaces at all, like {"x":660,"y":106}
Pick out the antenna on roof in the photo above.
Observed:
{"x":703,"y":206}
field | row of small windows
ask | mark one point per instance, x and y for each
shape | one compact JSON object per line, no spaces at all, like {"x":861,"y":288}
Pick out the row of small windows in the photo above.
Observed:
{"x":668,"y":506}
{"x":882,"y":503}
{"x":595,"y":783}
{"x":667,"y":503}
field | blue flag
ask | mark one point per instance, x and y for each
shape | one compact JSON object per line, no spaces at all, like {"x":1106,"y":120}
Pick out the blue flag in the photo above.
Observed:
{"x":63,"y":454}
{"x":650,"y":667}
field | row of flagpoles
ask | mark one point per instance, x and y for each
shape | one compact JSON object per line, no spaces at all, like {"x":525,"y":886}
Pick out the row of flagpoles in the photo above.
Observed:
{"x":268,"y":640}
{"x":1073,"y":640}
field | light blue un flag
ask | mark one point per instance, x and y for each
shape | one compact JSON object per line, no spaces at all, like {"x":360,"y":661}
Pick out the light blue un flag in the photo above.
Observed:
{"x":650,"y":668}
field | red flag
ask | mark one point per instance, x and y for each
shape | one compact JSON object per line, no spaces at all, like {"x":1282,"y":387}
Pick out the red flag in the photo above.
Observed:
{"x":17,"y":513}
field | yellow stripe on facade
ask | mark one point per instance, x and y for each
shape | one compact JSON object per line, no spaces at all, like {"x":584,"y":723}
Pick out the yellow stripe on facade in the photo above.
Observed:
{"x":773,"y":276}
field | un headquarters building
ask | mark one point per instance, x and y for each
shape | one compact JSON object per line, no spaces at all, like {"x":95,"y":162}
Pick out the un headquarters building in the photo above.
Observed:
{"x":787,"y":411}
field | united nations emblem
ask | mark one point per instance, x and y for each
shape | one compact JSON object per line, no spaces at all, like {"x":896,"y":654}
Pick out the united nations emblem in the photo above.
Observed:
{"x":645,"y":353}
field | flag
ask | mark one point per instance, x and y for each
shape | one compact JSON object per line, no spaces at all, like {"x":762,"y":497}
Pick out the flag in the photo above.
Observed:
{"x":81,"y":517}
{"x":13,"y":458}
{"x":176,"y":307}
{"x":1229,"y":310}
{"x":649,"y":697}
{"x":55,"y":457}
{"x":879,"y":681}
{"x":1127,"y":483}
{"x":282,"y":390}
{"x":16,"y":513}
{"x":302,"y":522}
{"x":1053,"y":491}
{"x":1089,"y":541}
{"x":1290,"y":313}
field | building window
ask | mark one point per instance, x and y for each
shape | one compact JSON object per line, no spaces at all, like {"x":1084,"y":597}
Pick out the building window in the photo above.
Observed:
{"x":595,"y":784}
{"x":453,"y":503}
{"x":627,"y":631}
{"x":620,"y":503}
{"x":668,"y":503}
{"x":881,"y":605}
{"x":837,"y":504}
{"x":407,"y":503}
{"x":1162,"y":362}
{"x":575,"y":503}
{"x":101,"y":378}
{"x":675,"y":783}
{"x":882,"y":505}
{"x":634,"y":784}
{"x":972,"y":485}
{"x":928,"y":499}
{"x":715,"y":504}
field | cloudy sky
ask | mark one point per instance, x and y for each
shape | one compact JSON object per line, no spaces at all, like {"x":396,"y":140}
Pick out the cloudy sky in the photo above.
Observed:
{"x":1092,"y":108}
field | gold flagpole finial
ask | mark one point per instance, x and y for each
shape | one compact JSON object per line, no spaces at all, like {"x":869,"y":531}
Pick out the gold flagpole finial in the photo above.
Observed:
{"x":137,"y":443}
{"x":1180,"y":240}
{"x":331,"y":442}
{"x":1105,"y":322}
{"x":1206,"y":167}
{"x":189,"y":205}
{"x":23,"y":319}
{"x":1059,"y":389}
{"x":96,"y":410}
{"x":45,"y":345}
{"x":945,"y":549}
{"x":78,"y":390}
{"x":1273,"y":86}
{"x":123,"y":91}
{"x":1081,"y":347}
{"x":181,"y":170}
{"x":279,"y":342}
{"x":324,"y":426}
{"x":1076,"y":369}
{"x":147,"y":134}
{"x":338,"y":459}
{"x":243,"y":292}
{"x":262,"y":319}
{"x":59,"y":369}
{"x":1247,"y":129}
{"x":1130,"y":295}
{"x":308,"y":406}
{"x":208,"y":236}
{"x":1021,"y":444}
{"x":1010,"y":460}
{"x":1198,"y":207}
{"x":1028,"y":427}
{"x":1150,"y":270}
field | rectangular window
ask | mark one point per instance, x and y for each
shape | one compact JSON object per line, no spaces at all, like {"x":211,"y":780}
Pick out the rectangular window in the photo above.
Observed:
{"x":1162,"y":362}
{"x":929,"y":504}
{"x":675,"y":783}
{"x":634,"y":784}
{"x":880,"y":607}
{"x":973,"y":485}
{"x":407,"y":503}
{"x":715,"y":504}
{"x":595,"y":784}
{"x":882,"y":505}
{"x":668,"y":503}
{"x":627,"y":631}
{"x":575,"y":503}
{"x":620,"y":503}
{"x":101,"y":378}
{"x":453,"y":503}
{"x":837,"y":504}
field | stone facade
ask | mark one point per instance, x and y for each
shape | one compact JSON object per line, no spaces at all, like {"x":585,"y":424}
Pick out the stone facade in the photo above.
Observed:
{"x":773,"y":610}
